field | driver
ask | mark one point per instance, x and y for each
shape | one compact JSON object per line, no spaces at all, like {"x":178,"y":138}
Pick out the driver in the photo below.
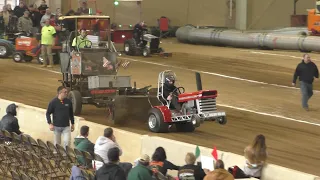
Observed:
{"x":138,"y":31}
{"x":82,"y":41}
{"x":168,"y":88}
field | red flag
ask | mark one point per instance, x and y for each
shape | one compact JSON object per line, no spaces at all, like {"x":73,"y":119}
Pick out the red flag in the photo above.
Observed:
{"x":215,"y":153}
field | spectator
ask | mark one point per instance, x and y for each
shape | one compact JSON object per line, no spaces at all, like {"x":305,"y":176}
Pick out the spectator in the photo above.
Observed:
{"x":141,"y":171}
{"x":111,"y":170}
{"x":219,"y":173}
{"x":48,"y":34}
{"x":13,"y":23}
{"x":82,"y":142}
{"x":69,"y":23}
{"x":6,"y":15}
{"x":106,"y":142}
{"x":46,"y":16}
{"x":9,"y":8}
{"x":190,"y":170}
{"x":160,"y":163}
{"x":61,"y":108}
{"x":9,"y":122}
{"x":35,"y":16}
{"x":43,"y":7}
{"x":256,"y":155}
{"x":20,"y":10}
{"x":76,"y":174}
{"x":25,"y":23}
{"x":83,"y":9}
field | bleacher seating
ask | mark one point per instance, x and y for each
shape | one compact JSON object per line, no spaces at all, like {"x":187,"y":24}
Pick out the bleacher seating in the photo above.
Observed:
{"x":23,"y":157}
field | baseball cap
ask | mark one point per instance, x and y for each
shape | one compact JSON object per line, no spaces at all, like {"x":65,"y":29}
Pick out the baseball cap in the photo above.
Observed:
{"x":144,"y":158}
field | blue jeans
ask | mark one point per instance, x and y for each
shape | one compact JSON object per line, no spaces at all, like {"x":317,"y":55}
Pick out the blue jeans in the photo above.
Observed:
{"x":65,"y":132}
{"x":307,"y":92}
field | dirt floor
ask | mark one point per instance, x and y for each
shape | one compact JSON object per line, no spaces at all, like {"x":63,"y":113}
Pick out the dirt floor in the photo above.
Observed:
{"x":249,"y":79}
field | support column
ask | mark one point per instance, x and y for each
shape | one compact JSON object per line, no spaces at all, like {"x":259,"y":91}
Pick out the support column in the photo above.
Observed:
{"x":241,"y":14}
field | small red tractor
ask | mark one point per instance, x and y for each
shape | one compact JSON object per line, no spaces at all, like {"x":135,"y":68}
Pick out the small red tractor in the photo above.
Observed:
{"x":27,"y":48}
{"x":200,"y":106}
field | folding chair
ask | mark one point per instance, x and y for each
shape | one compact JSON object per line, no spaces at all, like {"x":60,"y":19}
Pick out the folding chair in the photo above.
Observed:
{"x":91,"y":175}
{"x":98,"y":158}
{"x":51,"y":171}
{"x":79,"y":156}
{"x":8,"y":137}
{"x":43,"y":148}
{"x":71,"y":154}
{"x":88,"y":159}
{"x":163,"y":26}
{"x":12,"y":160}
{"x":34,"y":145}
{"x":25,"y":177}
{"x":40,"y":168}
{"x":16,"y":139}
{"x":15,"y":175}
{"x":67,"y":162}
{"x":55,"y":155}
{"x":84,"y":173}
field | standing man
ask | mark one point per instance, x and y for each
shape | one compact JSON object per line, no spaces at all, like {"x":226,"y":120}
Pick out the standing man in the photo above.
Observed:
{"x":48,"y":34}
{"x":306,"y":71}
{"x":61,"y":109}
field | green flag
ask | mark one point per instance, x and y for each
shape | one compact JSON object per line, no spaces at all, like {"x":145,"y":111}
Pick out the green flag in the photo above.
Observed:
{"x":197,"y":154}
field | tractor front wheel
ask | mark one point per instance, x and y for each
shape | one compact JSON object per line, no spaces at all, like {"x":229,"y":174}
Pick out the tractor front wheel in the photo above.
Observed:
{"x":156,"y":122}
{"x":17,"y":57}
{"x":76,"y":99}
{"x":222,"y":120}
{"x":146,"y":52}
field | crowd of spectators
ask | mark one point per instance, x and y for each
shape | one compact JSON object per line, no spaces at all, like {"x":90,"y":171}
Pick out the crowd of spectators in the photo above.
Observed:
{"x":144,"y":168}
{"x":31,"y":18}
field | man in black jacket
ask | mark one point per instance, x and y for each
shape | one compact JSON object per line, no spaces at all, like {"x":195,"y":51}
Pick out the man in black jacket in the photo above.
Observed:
{"x":306,"y":71}
{"x":62,"y":112}
{"x":137,"y":32}
{"x":111,"y":170}
{"x":9,"y":122}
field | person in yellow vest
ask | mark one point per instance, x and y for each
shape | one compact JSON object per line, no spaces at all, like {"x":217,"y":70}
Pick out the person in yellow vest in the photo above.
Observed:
{"x":48,"y":34}
{"x":81,"y":41}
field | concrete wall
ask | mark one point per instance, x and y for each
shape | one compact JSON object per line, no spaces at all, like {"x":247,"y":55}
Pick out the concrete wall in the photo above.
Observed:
{"x":261,"y":14}
{"x":33,"y":122}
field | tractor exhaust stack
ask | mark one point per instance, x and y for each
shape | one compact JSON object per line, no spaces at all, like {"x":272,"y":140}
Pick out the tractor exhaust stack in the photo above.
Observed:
{"x":198,"y":81}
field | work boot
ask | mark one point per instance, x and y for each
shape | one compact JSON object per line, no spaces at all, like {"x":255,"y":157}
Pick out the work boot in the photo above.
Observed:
{"x":43,"y":65}
{"x":49,"y":66}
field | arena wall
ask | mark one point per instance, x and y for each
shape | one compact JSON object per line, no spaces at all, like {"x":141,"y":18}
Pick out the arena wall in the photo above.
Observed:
{"x":261,"y":14}
{"x":32,"y":121}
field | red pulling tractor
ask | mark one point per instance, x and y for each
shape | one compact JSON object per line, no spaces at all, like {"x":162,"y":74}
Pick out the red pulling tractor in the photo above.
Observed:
{"x":199,"y":106}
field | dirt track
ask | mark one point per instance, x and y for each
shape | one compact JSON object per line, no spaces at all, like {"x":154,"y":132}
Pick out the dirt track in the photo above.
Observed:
{"x":291,"y":144}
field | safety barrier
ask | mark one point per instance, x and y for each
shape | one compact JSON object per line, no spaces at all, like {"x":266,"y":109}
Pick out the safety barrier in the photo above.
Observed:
{"x":32,"y":120}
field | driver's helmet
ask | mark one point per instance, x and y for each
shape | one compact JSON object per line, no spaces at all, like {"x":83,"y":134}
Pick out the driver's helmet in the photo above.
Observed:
{"x":169,"y":80}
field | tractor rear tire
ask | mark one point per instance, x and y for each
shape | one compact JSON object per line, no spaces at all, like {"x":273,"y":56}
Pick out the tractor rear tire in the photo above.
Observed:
{"x":18,"y":57}
{"x":185,"y":127}
{"x":5,"y":50}
{"x":156,"y":121}
{"x":130,"y":47}
{"x":76,"y":99}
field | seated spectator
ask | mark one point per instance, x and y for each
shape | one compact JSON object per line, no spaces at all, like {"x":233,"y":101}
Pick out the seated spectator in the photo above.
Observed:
{"x":142,"y":170}
{"x":82,"y":142}
{"x":190,"y":170}
{"x":256,"y":156}
{"x":159,"y":162}
{"x":76,"y":174}
{"x":219,"y":173}
{"x":9,"y":122}
{"x":106,"y":142}
{"x":111,"y":170}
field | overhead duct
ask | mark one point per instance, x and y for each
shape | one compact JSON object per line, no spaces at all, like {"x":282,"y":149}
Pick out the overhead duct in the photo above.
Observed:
{"x":288,"y":39}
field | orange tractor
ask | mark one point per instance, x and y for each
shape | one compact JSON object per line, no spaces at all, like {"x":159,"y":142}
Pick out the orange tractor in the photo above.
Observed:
{"x":314,"y":20}
{"x":27,"y":48}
